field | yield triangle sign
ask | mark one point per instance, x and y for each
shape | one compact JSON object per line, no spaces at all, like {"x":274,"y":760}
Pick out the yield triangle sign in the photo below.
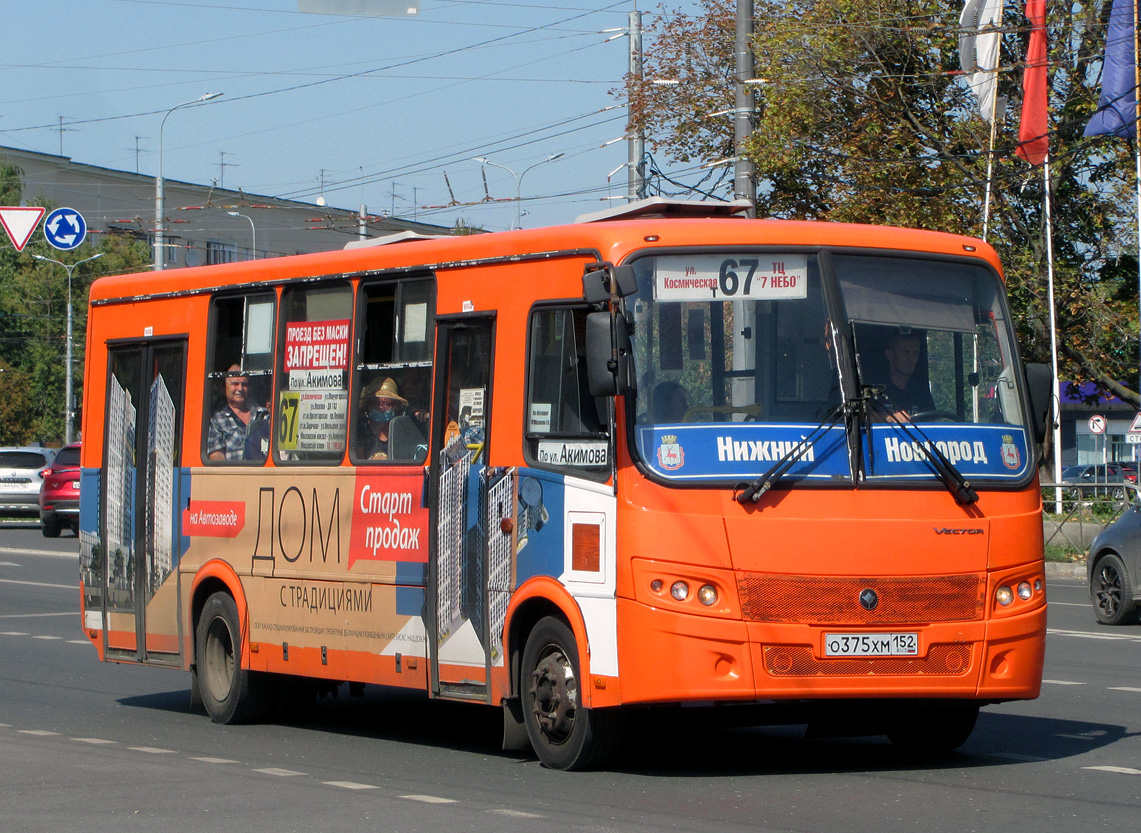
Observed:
{"x":1135,"y":428}
{"x":20,"y":222}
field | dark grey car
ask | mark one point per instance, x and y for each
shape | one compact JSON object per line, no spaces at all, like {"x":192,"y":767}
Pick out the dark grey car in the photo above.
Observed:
{"x":1113,"y":570}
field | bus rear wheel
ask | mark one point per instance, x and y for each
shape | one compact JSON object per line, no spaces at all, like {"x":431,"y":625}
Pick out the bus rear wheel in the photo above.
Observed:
{"x":230,"y":693}
{"x":563,"y":735}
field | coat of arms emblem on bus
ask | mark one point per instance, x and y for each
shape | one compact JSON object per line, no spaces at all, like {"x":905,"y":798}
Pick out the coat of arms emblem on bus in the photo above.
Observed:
{"x":1010,"y":456}
{"x":670,"y":453}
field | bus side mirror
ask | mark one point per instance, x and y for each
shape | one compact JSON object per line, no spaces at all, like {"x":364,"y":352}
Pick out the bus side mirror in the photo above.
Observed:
{"x":1040,"y":386}
{"x":607,"y":354}
{"x":596,"y":278}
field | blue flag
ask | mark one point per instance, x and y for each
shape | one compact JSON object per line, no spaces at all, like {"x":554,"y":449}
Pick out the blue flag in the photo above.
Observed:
{"x":1116,"y":113}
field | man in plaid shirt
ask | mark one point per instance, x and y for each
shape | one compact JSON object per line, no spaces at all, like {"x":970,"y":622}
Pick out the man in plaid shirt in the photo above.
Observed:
{"x":229,"y":427}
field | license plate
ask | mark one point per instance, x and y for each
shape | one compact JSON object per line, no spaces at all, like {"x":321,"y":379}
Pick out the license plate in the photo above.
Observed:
{"x":871,"y":644}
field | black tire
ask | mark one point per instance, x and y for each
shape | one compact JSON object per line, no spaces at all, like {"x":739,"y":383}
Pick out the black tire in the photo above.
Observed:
{"x":563,"y":735}
{"x":230,"y":693}
{"x":1111,"y":592}
{"x":50,"y":527}
{"x":933,"y":728}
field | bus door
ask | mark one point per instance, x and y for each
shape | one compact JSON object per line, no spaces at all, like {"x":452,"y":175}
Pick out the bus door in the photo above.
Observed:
{"x":140,"y":500}
{"x":461,"y":642}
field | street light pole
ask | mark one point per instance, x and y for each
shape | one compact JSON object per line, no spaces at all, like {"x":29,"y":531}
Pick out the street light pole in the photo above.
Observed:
{"x":68,"y":388}
{"x":519,"y":181}
{"x":253,"y":230}
{"x":160,"y":207}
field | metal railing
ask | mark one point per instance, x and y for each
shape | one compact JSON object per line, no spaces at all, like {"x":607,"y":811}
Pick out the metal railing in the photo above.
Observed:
{"x":1073,"y":514}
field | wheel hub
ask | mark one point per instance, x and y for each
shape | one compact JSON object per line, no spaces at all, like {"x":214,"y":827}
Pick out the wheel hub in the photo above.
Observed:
{"x":554,"y":696}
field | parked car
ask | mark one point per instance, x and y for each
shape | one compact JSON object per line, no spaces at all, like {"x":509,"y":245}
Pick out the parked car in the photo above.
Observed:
{"x":1113,"y":570}
{"x":1094,"y":480}
{"x":59,"y":493}
{"x":21,"y":473}
{"x":1129,"y":472}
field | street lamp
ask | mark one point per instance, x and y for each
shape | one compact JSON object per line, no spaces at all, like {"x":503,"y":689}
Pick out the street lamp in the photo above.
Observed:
{"x":160,"y":207}
{"x":253,"y":230}
{"x":519,"y":181}
{"x":67,"y":392}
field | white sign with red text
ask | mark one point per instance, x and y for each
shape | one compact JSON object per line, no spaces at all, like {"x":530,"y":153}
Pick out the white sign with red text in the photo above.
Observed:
{"x":731,"y":277}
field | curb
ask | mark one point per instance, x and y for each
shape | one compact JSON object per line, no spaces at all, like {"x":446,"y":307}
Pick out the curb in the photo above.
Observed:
{"x":1066,"y":569}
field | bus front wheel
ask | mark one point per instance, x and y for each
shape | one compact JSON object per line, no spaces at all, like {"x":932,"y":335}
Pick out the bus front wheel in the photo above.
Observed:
{"x":230,"y":693}
{"x":563,"y":735}
{"x":933,"y":728}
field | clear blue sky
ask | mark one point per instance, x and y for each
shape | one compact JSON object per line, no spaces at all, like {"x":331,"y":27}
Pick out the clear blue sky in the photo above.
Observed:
{"x":378,"y":109}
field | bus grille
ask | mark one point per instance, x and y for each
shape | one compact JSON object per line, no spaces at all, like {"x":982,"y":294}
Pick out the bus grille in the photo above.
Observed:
{"x":798,"y":661}
{"x":812,"y":600}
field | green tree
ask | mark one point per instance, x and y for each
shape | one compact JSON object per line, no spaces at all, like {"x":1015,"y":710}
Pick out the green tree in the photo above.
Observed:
{"x":33,"y":318}
{"x":863,"y":116}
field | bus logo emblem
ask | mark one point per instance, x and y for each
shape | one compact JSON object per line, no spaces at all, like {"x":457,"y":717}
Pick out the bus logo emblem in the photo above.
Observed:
{"x":868,"y":599}
{"x":670,"y":453}
{"x":1009,"y":452}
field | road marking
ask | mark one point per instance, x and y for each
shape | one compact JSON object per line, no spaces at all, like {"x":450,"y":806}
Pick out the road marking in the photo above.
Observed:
{"x":36,"y":615}
{"x":429,"y":799}
{"x":48,"y":553}
{"x":1094,"y":635}
{"x":12,"y":633}
{"x":350,"y":785}
{"x":151,"y":750}
{"x":79,"y":642}
{"x":47,"y":637}
{"x":1121,"y":770}
{"x":94,"y":740}
{"x":8,"y":564}
{"x":216,"y":760}
{"x":515,"y":814}
{"x":284,"y":773}
{"x":1061,"y":682}
{"x":37,"y":732}
{"x":1068,"y":604}
{"x":39,"y":584}
{"x":1130,"y":689}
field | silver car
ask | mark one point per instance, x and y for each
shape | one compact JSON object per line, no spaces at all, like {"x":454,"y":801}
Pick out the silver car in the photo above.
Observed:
{"x":1113,"y":570}
{"x":21,"y":473}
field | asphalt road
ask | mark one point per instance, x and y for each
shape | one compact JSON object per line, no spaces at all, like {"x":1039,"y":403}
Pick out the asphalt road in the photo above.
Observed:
{"x":86,"y":746}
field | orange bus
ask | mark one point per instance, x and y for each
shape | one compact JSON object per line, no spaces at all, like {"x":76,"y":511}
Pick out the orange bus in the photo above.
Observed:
{"x":665,"y":455}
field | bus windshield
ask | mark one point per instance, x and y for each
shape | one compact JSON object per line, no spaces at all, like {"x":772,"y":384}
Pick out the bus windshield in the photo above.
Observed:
{"x":740,"y":356}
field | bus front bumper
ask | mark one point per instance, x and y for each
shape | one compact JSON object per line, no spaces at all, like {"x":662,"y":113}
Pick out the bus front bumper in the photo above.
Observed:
{"x":668,"y":657}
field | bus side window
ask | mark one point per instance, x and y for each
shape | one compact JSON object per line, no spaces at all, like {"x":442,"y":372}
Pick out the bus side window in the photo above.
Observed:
{"x":565,"y":426}
{"x":392,"y":385}
{"x":312,"y":405}
{"x":239,"y":379}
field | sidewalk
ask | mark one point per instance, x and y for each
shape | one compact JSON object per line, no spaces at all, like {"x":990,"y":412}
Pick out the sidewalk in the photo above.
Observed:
{"x":1072,"y":569}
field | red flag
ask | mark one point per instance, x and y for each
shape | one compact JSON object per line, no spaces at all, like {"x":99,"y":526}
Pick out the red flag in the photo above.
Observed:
{"x":1033,"y":143}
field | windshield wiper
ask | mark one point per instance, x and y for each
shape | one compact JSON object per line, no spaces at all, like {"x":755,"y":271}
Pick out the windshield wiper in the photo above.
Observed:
{"x":752,"y":492}
{"x":953,"y":479}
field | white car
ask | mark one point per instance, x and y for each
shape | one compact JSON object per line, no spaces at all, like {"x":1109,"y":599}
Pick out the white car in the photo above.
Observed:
{"x":21,"y":473}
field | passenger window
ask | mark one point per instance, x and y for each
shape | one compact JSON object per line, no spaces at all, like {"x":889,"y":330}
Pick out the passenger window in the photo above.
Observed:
{"x":566,"y":427}
{"x":312,"y":392}
{"x":397,"y":325}
{"x":240,"y":379}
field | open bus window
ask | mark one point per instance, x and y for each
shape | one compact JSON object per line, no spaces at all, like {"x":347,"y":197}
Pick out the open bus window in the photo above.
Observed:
{"x":566,"y":428}
{"x":312,"y":404}
{"x":393,"y":373}
{"x":933,"y":336}
{"x":239,"y":379}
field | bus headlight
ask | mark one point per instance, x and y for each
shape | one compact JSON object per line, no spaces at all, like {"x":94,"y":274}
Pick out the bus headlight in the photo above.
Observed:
{"x":1025,"y":591}
{"x":707,"y":595}
{"x":680,"y":591}
{"x":1004,"y":595}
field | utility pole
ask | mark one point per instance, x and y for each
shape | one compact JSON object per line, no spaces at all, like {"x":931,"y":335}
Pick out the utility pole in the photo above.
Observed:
{"x":636,"y":141}
{"x":744,"y":187}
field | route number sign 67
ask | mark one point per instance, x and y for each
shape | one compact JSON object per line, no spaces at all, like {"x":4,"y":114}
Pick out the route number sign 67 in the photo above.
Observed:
{"x":731,"y":277}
